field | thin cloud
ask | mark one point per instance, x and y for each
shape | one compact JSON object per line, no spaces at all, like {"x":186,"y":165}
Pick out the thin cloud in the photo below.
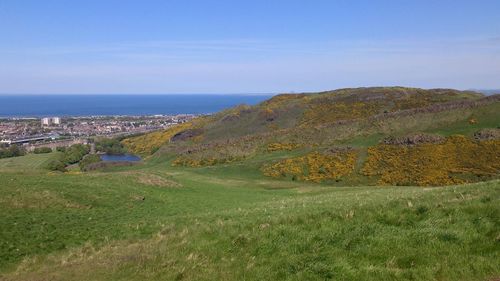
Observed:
{"x":253,"y":65}
{"x":203,"y":49}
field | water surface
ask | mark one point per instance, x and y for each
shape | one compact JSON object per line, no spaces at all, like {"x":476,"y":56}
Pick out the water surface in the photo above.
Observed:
{"x":120,"y":158}
{"x":93,"y":105}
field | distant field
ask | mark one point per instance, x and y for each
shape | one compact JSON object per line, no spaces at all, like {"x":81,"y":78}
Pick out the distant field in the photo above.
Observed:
{"x":29,"y":161}
{"x":156,"y":222}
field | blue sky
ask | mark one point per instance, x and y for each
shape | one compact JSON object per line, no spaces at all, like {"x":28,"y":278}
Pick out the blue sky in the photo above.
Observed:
{"x":149,"y":46}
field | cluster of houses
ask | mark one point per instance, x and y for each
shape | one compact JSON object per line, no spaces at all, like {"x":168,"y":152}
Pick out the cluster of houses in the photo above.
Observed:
{"x":48,"y":130}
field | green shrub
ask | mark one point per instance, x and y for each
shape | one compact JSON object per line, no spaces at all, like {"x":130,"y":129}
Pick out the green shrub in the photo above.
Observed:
{"x":12,"y":151}
{"x":87,"y":160}
{"x":56,"y":165}
{"x":40,"y":150}
{"x":75,"y":153}
{"x":70,"y":155}
{"x":110,"y":146}
{"x":61,"y":148}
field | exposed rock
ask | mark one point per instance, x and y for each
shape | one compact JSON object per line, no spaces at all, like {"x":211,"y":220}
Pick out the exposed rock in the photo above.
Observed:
{"x":230,"y":117}
{"x":268,"y":114}
{"x":139,"y":198}
{"x":246,"y":111}
{"x":487,"y":134}
{"x":187,"y":134}
{"x":414,"y":139}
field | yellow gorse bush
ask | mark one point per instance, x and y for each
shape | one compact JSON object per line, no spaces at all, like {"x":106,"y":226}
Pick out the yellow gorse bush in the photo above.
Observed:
{"x":314,"y":166}
{"x":276,"y":146}
{"x":282,"y":99}
{"x":348,"y":108}
{"x":322,"y":113}
{"x":149,"y":143}
{"x":458,"y":160}
{"x":204,"y":161}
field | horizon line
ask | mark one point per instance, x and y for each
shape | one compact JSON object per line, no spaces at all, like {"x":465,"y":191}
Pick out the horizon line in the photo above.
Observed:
{"x":136,"y":94}
{"x":477,"y":89}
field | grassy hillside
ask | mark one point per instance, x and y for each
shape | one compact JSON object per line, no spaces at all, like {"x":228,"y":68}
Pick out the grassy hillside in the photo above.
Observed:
{"x":316,"y":126}
{"x":29,"y":161}
{"x":300,"y":187}
{"x":156,"y":222}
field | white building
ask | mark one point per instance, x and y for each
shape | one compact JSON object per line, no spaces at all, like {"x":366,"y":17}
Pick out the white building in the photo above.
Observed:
{"x":51,"y":121}
{"x":45,"y":121}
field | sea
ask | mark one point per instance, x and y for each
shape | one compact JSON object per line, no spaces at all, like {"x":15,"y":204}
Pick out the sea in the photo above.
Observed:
{"x":131,"y":105}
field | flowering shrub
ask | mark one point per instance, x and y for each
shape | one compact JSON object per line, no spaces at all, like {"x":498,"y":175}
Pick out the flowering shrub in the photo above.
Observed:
{"x":282,"y":146}
{"x":200,"y":162}
{"x":457,"y":160}
{"x":282,"y":99}
{"x":314,"y":166}
{"x":351,"y":104}
{"x":328,"y":112}
{"x":147,"y":144}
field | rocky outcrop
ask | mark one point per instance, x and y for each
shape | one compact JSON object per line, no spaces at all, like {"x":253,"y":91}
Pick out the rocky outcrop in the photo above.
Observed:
{"x":413,"y":139}
{"x":186,"y":135}
{"x":487,"y":134}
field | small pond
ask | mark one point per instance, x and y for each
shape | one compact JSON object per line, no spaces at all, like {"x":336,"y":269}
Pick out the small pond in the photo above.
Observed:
{"x":120,"y":158}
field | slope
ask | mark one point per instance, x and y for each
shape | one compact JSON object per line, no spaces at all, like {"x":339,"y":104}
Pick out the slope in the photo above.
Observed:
{"x":329,"y":128}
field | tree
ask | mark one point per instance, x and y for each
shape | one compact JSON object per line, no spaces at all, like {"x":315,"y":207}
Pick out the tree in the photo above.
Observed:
{"x":56,"y":165}
{"x":12,"y":151}
{"x":40,"y":150}
{"x":110,"y":146}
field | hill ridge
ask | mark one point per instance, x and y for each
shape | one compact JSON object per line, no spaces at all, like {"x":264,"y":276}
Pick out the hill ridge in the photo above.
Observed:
{"x":299,"y":124}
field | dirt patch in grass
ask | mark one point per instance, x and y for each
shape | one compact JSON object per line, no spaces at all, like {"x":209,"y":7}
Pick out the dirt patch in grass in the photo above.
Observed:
{"x":39,"y":200}
{"x":155,"y":180}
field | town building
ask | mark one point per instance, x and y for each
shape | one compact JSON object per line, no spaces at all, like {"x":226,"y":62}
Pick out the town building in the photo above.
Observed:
{"x":45,"y":121}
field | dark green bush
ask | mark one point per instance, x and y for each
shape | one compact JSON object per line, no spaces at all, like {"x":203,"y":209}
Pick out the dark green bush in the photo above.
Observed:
{"x":87,"y":160}
{"x":40,"y":150}
{"x":12,"y":151}
{"x":61,"y":148}
{"x":110,"y":146}
{"x":75,"y":153}
{"x":56,"y":165}
{"x":70,"y":155}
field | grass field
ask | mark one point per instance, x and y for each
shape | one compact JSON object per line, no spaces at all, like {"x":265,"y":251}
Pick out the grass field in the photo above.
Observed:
{"x":29,"y":161}
{"x":157,"y":222}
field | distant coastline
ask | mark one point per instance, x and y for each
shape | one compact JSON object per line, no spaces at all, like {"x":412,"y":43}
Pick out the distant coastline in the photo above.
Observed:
{"x":37,"y":106}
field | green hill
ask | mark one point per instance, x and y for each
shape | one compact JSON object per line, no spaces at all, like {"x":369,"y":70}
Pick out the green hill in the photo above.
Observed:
{"x":336,"y":137}
{"x":156,"y":222}
{"x":300,"y":187}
